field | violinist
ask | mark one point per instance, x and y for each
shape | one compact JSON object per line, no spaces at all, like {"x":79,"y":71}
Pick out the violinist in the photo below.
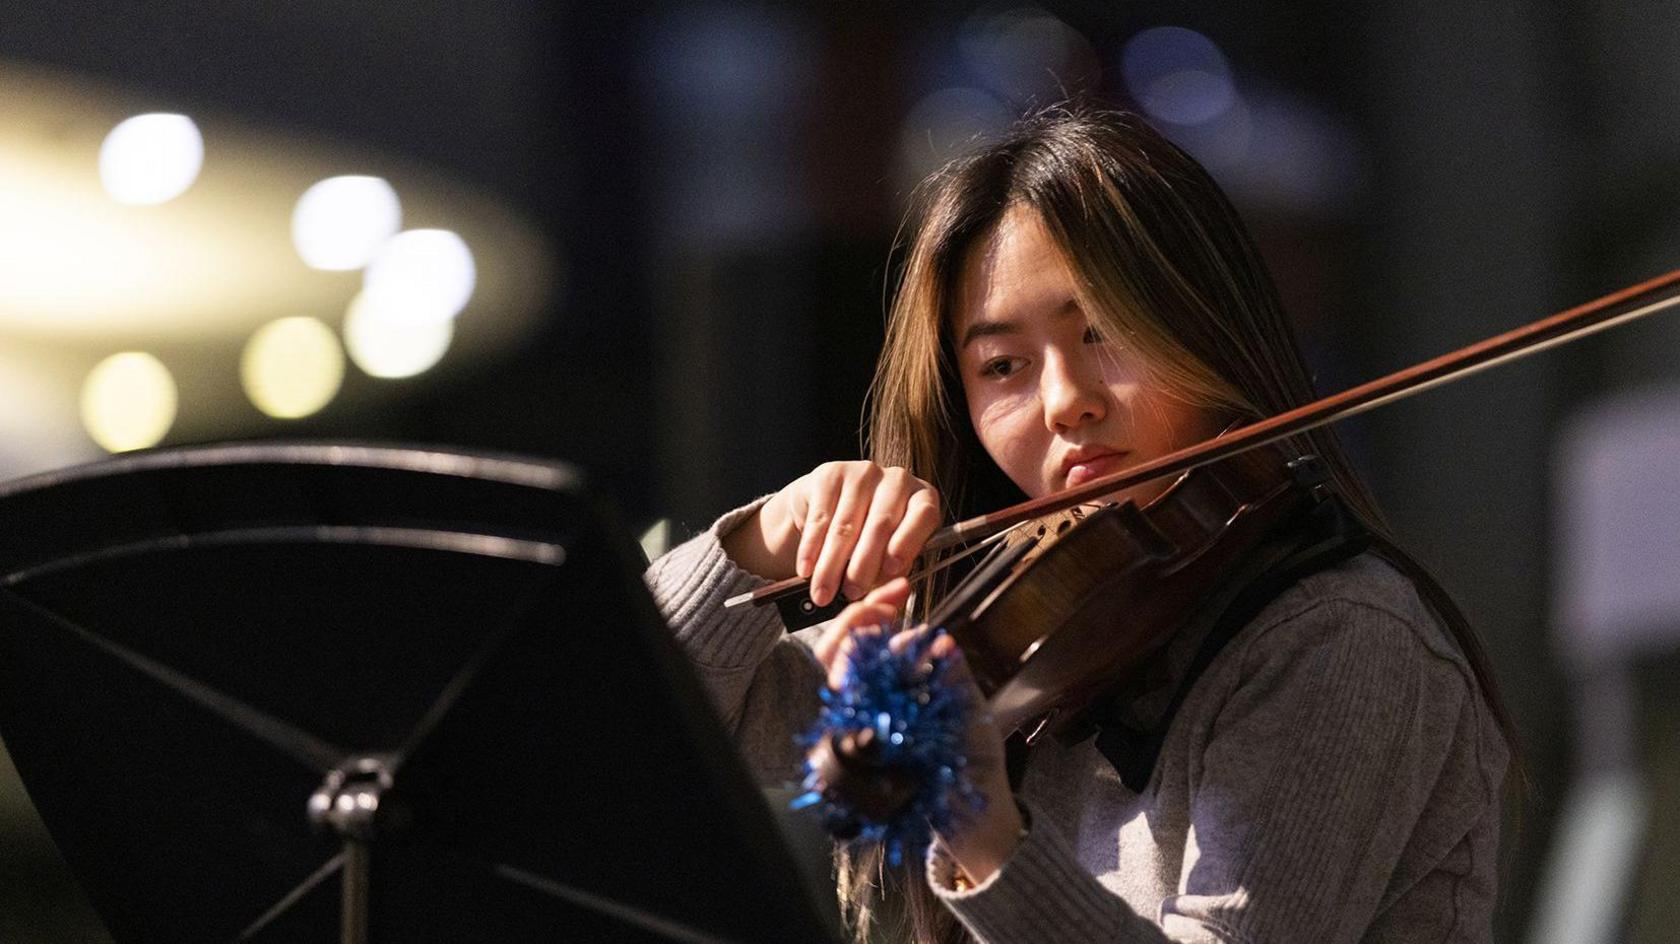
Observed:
{"x":1080,"y":297}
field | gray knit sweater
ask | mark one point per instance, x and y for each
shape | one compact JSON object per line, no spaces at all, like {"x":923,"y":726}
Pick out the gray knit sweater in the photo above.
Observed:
{"x":1333,"y":776}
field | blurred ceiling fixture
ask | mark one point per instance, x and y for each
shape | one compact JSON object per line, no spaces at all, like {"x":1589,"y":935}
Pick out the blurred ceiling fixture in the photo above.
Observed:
{"x":128,"y":401}
{"x":1027,"y":55}
{"x":1177,"y":75}
{"x":292,"y":367}
{"x":1267,"y":145}
{"x":422,"y":276}
{"x":340,"y":223}
{"x":383,"y":342}
{"x":180,"y":237}
{"x":944,"y":125}
{"x":151,"y":159}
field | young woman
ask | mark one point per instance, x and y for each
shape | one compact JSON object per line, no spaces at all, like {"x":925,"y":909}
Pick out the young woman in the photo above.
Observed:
{"x":1078,"y":298}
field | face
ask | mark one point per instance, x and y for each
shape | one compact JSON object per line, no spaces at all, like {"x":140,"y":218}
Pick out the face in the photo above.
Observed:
{"x":1054,"y":404}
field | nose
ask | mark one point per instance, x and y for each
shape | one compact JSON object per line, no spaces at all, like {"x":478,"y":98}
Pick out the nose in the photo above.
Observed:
{"x":1072,"y":392}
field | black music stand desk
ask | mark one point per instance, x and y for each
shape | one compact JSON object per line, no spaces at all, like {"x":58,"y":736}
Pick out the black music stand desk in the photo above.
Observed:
{"x":299,"y":692}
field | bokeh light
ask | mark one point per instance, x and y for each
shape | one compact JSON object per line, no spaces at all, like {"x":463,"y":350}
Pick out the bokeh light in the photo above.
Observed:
{"x":1277,"y":148}
{"x":341,"y":222}
{"x":1177,"y":75}
{"x":151,"y":158}
{"x":385,"y":343}
{"x":947,"y":123}
{"x":128,"y":401}
{"x":292,"y":367}
{"x":1026,"y":54}
{"x":1224,"y":145}
{"x":422,"y":275}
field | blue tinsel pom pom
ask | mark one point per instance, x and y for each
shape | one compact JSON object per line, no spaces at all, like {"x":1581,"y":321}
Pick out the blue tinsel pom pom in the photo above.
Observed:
{"x":920,"y":720}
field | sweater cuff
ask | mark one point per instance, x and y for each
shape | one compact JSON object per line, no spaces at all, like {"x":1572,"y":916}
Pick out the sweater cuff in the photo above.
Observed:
{"x":1041,"y":894}
{"x":690,"y":584}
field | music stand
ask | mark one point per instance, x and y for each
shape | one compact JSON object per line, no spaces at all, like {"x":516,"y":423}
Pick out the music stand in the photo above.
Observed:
{"x":447,"y":661}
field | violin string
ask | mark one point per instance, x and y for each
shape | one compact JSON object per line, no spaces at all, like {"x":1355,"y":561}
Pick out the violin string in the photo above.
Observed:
{"x":964,"y":554}
{"x":916,"y":578}
{"x":766,"y":594}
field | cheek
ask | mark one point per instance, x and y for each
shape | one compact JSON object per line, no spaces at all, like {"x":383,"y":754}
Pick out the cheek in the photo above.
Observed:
{"x":1005,"y":427}
{"x":994,"y":418}
{"x":1164,"y":423}
{"x":1122,"y":375}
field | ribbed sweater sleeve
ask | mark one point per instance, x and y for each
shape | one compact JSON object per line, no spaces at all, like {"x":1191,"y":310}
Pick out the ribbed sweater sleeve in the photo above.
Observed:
{"x":763,"y":682}
{"x":1042,"y":894}
{"x":1315,"y":761}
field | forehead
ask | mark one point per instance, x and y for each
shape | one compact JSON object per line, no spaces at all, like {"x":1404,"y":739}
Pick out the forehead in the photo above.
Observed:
{"x":1014,"y":272}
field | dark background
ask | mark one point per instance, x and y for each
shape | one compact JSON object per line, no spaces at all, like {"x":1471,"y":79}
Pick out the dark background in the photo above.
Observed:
{"x":723,"y":182}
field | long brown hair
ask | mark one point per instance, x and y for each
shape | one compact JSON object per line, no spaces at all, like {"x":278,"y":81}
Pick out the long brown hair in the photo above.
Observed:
{"x":1161,"y":262}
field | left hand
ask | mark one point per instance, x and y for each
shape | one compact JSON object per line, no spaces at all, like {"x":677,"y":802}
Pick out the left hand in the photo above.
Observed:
{"x":983,"y":843}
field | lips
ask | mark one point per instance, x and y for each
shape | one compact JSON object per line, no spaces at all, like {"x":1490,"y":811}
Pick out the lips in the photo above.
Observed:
{"x":1083,"y":465}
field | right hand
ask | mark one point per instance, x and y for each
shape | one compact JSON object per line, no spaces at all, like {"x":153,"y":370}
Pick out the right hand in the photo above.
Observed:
{"x":844,"y":525}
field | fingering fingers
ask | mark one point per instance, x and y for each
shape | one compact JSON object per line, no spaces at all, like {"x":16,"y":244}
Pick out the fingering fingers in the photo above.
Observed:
{"x":843,"y":532}
{"x":886,"y":510}
{"x":821,"y":494}
{"x":920,"y":519}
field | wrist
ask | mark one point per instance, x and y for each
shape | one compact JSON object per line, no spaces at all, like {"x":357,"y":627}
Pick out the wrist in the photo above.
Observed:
{"x":981,"y":847}
{"x":751,"y":545}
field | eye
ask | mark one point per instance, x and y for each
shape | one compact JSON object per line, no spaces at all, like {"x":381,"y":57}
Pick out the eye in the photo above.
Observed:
{"x":1001,"y":366}
{"x":1091,"y":336}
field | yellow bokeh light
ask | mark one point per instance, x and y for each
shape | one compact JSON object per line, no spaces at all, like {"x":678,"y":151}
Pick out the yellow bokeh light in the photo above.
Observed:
{"x":292,"y":367}
{"x":383,"y":342}
{"x":128,"y":401}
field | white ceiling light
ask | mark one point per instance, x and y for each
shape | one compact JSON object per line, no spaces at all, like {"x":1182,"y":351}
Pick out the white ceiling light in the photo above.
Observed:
{"x":151,"y":159}
{"x":422,"y":275}
{"x":340,"y":223}
{"x":384,"y":343}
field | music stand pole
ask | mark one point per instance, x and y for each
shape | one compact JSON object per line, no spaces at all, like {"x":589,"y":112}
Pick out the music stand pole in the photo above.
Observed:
{"x":352,"y":802}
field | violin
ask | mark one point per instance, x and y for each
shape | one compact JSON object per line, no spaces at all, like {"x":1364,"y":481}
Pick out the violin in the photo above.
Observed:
{"x":1085,"y":570}
{"x":1037,"y":619}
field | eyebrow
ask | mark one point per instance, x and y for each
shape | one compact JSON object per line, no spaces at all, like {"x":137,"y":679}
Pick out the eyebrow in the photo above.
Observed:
{"x":985,"y":329}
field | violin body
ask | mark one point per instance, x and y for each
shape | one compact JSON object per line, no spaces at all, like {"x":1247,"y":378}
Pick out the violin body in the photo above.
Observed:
{"x":1064,"y":611}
